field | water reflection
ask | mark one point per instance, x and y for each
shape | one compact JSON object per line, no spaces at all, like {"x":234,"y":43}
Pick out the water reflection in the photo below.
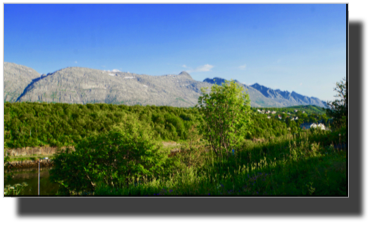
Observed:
{"x":30,"y":176}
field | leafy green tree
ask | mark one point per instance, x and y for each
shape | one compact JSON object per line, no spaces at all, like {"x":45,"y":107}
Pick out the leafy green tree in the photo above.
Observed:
{"x":338,"y":108}
{"x":226,"y":115}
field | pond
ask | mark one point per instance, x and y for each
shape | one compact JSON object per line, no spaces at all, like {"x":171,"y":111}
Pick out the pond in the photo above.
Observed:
{"x":30,"y":176}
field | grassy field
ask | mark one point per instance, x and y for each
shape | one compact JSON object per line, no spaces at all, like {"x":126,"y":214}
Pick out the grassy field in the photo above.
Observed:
{"x":302,"y":165}
{"x":305,"y":164}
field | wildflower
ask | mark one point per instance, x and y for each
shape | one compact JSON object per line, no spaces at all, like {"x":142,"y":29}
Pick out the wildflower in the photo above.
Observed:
{"x":171,"y":190}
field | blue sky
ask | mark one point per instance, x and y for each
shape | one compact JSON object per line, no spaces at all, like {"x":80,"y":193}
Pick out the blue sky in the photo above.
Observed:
{"x":290,"y":47}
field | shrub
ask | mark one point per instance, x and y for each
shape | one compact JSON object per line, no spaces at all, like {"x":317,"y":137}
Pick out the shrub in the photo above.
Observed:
{"x":113,"y":158}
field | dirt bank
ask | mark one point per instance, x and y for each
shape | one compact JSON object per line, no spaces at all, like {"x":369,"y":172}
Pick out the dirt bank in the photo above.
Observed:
{"x":29,"y":151}
{"x":49,"y":151}
{"x":28,"y":164}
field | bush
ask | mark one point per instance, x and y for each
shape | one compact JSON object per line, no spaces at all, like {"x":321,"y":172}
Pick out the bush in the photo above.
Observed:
{"x":113,"y":158}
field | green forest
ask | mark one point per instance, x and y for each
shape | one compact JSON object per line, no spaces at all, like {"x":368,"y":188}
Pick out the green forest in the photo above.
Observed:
{"x":33,"y":124}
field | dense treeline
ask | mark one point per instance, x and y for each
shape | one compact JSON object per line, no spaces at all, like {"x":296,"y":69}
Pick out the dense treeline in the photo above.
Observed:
{"x":35,"y":124}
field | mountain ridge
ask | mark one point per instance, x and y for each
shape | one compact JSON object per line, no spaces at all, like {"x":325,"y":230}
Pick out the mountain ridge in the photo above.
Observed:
{"x":293,"y":97}
{"x":85,"y":85}
{"x":284,"y":97}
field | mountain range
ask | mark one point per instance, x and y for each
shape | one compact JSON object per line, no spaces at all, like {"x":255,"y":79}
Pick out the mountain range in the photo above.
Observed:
{"x":83,"y":85}
{"x":292,"y":98}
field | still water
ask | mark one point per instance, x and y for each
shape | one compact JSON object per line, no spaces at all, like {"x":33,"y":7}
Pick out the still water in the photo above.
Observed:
{"x":30,"y":176}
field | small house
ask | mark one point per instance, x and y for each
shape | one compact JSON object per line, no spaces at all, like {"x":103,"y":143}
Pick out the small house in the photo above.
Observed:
{"x":321,"y":126}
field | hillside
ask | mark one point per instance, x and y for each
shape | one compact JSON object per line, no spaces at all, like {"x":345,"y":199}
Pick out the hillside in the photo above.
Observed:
{"x":308,"y":108}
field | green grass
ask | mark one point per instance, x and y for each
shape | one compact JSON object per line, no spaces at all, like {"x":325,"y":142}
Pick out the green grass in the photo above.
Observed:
{"x":305,"y":165}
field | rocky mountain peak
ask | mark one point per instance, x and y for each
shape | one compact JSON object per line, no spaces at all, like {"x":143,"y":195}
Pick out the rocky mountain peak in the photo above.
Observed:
{"x":184,"y":73}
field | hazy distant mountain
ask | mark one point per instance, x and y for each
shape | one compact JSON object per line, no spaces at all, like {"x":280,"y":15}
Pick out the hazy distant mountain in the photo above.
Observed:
{"x":84,"y":85}
{"x":291,"y":98}
{"x":257,"y":98}
{"x":16,"y":78}
{"x":267,"y":97}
